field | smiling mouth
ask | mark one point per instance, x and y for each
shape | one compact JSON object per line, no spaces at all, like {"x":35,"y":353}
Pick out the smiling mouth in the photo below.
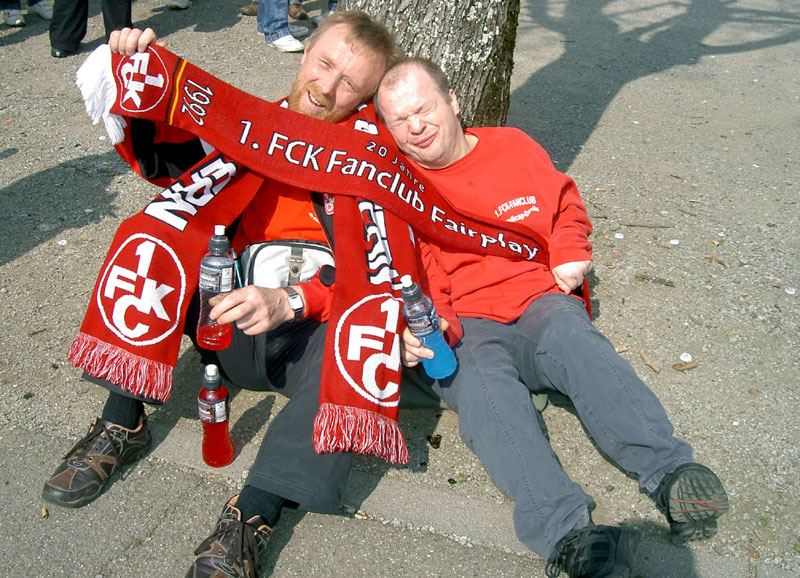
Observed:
{"x":314,"y":101}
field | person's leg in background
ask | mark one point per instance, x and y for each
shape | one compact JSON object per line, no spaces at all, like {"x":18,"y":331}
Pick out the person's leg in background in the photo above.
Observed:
{"x":273,"y":23}
{"x":69,"y":23}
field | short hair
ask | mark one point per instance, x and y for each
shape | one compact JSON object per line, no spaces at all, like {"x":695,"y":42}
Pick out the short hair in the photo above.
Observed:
{"x":392,"y":76}
{"x":364,"y":29}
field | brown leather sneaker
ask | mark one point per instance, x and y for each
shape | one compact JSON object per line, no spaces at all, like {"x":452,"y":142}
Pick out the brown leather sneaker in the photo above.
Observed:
{"x":234,"y":549}
{"x":89,"y":465}
{"x":249,"y":10}
{"x":297,"y":12}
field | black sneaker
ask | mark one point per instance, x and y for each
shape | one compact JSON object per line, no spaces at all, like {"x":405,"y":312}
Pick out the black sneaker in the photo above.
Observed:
{"x":235,"y":549}
{"x":92,"y":461}
{"x":594,"y":552}
{"x":692,"y":498}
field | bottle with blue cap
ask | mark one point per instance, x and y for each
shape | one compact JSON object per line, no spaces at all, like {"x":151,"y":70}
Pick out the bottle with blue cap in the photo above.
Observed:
{"x":423,"y":321}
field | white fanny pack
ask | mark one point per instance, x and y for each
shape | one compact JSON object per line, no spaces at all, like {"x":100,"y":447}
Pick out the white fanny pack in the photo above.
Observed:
{"x":284,"y":262}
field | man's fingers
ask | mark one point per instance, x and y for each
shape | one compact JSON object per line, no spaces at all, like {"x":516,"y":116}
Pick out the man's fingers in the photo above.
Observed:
{"x":147,"y":38}
{"x":132,"y":42}
{"x":113,"y":40}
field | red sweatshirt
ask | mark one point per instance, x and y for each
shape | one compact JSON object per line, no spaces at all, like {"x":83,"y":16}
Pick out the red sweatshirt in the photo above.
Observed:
{"x":510,"y":177}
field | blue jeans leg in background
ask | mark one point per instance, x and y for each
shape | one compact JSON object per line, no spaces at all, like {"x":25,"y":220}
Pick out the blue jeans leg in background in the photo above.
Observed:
{"x":273,"y":19}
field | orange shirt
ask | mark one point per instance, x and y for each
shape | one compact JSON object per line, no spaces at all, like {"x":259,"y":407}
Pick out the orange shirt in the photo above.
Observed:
{"x":278,"y":211}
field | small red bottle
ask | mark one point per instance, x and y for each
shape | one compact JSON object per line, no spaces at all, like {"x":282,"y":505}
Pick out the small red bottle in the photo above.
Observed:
{"x":212,"y":407}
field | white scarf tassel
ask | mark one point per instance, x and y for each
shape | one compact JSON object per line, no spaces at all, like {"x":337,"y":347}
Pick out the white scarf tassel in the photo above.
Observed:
{"x":99,"y":91}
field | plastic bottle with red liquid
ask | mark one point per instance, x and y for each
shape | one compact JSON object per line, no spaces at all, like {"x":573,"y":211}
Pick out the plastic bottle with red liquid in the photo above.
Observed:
{"x":213,"y":408}
{"x":216,"y":276}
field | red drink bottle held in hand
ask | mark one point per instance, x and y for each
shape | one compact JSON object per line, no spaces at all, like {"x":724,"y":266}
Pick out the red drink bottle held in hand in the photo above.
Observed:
{"x":216,"y":276}
{"x":212,"y":407}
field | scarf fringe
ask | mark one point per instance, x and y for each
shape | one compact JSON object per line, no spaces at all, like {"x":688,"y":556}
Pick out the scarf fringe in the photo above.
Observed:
{"x":349,"y":429}
{"x":138,"y":375}
{"x":99,"y":91}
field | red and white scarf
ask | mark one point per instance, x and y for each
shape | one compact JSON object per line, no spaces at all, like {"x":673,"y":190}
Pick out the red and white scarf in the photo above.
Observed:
{"x":132,"y":330}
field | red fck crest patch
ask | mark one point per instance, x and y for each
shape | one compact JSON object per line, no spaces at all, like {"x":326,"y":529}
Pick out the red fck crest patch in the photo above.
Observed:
{"x":144,"y":80}
{"x":136,"y":307}
{"x":367,"y":348}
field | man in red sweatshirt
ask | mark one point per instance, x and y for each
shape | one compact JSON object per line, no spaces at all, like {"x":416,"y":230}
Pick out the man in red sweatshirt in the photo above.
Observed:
{"x":526,"y":329}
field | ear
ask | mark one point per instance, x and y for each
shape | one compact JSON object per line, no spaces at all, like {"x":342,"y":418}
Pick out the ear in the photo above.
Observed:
{"x":454,"y":102}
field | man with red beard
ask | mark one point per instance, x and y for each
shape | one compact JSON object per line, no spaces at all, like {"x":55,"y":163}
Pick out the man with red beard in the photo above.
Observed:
{"x":279,"y":334}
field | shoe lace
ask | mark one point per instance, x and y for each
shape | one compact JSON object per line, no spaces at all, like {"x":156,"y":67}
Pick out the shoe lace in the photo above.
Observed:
{"x":244,"y":550}
{"x":83,"y":445}
{"x":583,"y":553}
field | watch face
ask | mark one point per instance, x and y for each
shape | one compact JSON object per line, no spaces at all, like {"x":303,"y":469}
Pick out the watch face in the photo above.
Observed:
{"x":296,"y":303}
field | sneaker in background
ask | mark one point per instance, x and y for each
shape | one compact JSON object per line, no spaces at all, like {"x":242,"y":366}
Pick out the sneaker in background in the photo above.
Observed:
{"x":287,"y":43}
{"x":318,"y":19}
{"x":249,"y":10}
{"x":179,"y":4}
{"x":297,"y":12}
{"x":297,"y":31}
{"x":14,"y":18}
{"x":43,"y":8}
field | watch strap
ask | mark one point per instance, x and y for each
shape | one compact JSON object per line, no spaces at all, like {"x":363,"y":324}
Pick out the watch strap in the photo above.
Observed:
{"x":295,"y":302}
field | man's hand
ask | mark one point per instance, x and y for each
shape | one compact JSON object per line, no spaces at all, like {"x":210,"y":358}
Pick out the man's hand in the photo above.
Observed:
{"x":254,"y":309}
{"x":129,"y":41}
{"x":568,"y":276}
{"x":411,"y":350}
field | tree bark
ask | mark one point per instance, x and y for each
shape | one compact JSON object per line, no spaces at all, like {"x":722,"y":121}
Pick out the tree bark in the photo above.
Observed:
{"x":472,"y":40}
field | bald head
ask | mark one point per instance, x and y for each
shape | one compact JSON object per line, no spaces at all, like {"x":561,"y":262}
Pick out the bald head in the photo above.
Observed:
{"x":420,"y":110}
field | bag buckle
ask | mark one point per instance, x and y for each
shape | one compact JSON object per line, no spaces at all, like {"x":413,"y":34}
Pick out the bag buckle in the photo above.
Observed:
{"x":295,"y":262}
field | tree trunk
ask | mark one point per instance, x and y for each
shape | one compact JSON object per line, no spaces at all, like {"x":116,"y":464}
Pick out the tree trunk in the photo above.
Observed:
{"x":472,"y":40}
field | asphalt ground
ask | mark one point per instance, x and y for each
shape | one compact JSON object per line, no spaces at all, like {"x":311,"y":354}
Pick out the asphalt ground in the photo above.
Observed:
{"x":679,"y":122}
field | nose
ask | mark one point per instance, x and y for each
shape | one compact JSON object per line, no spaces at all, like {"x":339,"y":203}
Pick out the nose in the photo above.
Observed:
{"x":327,"y":84}
{"x":415,"y":125}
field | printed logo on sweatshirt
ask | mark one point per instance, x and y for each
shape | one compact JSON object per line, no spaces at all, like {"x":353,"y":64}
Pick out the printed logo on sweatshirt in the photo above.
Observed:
{"x":367,"y":354}
{"x":136,"y":308}
{"x":523,"y":206}
{"x":144,"y":79}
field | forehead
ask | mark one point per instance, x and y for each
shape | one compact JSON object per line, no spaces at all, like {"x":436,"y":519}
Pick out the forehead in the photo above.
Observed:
{"x":338,"y":45}
{"x":411,"y":89}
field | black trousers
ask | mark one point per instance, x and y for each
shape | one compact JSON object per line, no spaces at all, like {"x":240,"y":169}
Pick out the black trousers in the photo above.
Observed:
{"x":68,"y":26}
{"x":288,"y":361}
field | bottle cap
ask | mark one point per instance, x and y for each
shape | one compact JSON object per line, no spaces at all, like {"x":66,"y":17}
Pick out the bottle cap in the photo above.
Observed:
{"x":410,"y":290}
{"x":211,"y":377}
{"x":219,"y":242}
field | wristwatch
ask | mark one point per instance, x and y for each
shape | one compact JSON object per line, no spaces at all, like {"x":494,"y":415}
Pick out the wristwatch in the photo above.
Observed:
{"x":295,"y":302}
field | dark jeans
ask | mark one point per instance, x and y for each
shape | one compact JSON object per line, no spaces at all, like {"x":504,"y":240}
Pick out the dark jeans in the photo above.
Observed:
{"x":68,"y":26}
{"x":553,"y":346}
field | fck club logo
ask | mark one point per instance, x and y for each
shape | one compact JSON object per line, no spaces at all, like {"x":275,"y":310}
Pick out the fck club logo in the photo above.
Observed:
{"x":136,"y":307}
{"x":366,"y":342}
{"x":144,"y":81}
